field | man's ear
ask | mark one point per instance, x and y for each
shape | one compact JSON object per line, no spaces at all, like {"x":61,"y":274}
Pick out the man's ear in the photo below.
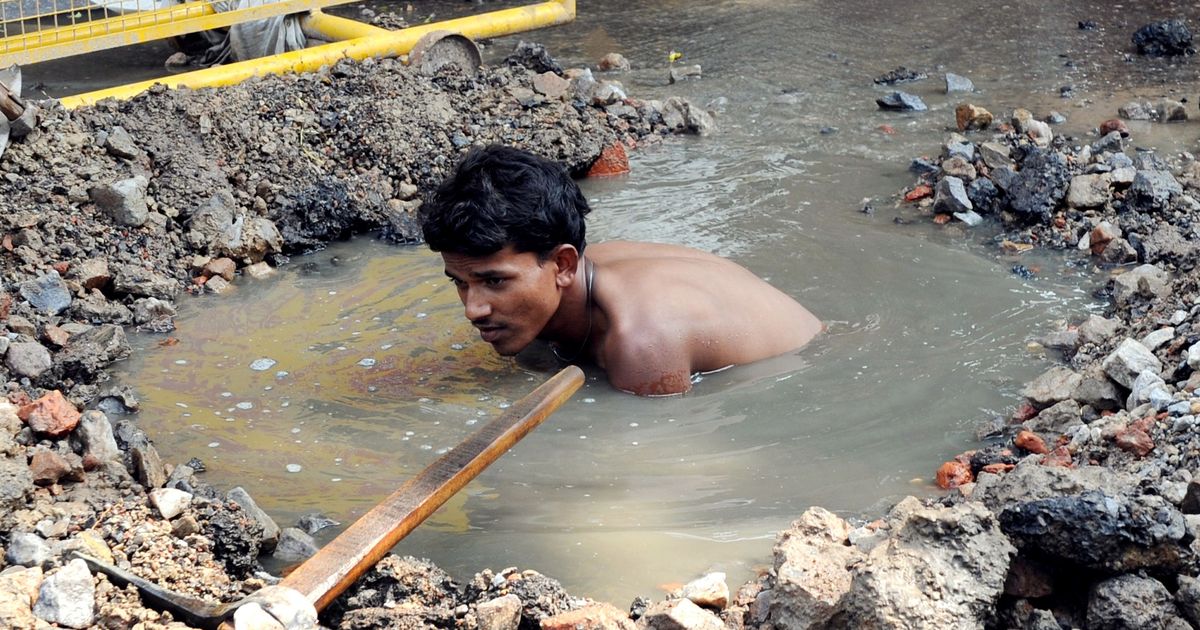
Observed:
{"x":566,"y":261}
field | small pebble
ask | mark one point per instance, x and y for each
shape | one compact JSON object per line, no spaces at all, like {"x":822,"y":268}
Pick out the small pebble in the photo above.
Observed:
{"x":260,"y":365}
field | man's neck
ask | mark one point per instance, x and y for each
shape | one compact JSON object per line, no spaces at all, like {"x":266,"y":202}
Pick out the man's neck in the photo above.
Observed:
{"x":573,"y":326}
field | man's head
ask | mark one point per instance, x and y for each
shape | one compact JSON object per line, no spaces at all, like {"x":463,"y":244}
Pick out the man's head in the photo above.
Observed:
{"x":510,"y":228}
{"x":500,"y":196}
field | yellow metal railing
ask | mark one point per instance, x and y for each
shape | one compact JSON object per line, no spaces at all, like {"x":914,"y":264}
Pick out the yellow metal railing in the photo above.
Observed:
{"x":41,"y":30}
{"x":367,"y":42}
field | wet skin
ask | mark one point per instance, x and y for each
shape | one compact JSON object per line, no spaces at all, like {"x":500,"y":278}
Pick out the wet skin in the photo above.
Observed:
{"x":659,"y":313}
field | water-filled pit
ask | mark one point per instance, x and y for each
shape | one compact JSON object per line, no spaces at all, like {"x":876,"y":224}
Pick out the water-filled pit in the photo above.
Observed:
{"x":376,"y":372}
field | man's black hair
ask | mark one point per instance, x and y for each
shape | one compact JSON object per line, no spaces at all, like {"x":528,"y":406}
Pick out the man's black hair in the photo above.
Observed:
{"x":499,"y":196}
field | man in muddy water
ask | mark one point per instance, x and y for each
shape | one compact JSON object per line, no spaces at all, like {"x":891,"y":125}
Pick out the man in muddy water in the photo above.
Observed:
{"x":510,"y":228}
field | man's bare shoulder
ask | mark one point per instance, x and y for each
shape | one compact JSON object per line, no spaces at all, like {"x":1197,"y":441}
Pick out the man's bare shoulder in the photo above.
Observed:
{"x":614,"y":251}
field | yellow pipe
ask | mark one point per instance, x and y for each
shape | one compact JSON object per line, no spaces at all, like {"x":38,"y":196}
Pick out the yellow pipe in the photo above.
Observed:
{"x":391,"y":43}
{"x":332,"y":28}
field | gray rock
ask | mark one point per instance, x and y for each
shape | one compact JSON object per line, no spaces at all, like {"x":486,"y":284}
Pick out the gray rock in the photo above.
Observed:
{"x":146,"y":310}
{"x":1164,"y":38}
{"x":608,"y":92}
{"x":1187,"y":598}
{"x":121,"y":144}
{"x":95,"y":308}
{"x":1061,"y":339}
{"x":995,"y":155}
{"x":958,"y":83}
{"x":1118,"y":252}
{"x":959,"y":147}
{"x":147,"y":465}
{"x":550,"y":85}
{"x":1039,"y":132}
{"x":313,"y":523}
{"x":1128,"y":361}
{"x":1088,"y":191}
{"x":1147,"y":281}
{"x":1166,"y":244}
{"x":271,"y":533}
{"x":1112,"y":142}
{"x":959,"y":553}
{"x":1053,"y":385}
{"x":1143,"y":388}
{"x":27,"y":550}
{"x":294,"y":546}
{"x":67,"y":597}
{"x":124,"y":201}
{"x":1129,"y":602}
{"x":1154,"y":340}
{"x":969,"y":217}
{"x":812,"y":563}
{"x":1153,"y":190}
{"x":1055,"y":118}
{"x":679,"y":614}
{"x":16,"y":482}
{"x":677,"y":73}
{"x":138,"y":280}
{"x":1098,"y":391}
{"x":1168,"y":110}
{"x":501,"y":613}
{"x":47,"y":293}
{"x":1056,"y":419}
{"x":94,"y":435}
{"x":682,"y":115}
{"x":1040,"y":184}
{"x":958,"y":167}
{"x":709,"y":591}
{"x":170,"y":502}
{"x":613,"y":62}
{"x":224,"y":229}
{"x":1101,"y":531}
{"x":1032,"y":481}
{"x":27,"y":358}
{"x":950,"y":196}
{"x":1133,"y":110}
{"x":87,"y":354}
{"x":901,"y":101}
{"x":983,"y":195}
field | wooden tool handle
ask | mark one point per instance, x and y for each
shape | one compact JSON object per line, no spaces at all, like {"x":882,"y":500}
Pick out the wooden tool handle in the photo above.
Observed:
{"x":338,"y":564}
{"x":11,"y":105}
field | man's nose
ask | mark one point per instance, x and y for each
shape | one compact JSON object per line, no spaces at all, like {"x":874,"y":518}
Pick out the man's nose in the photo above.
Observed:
{"x":477,"y":307}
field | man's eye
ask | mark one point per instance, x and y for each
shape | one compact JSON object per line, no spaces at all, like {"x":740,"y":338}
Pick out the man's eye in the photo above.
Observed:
{"x":458,"y":284}
{"x":494,"y":282}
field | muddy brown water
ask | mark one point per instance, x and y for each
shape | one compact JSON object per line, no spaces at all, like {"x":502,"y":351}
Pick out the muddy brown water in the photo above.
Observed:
{"x":375,"y":372}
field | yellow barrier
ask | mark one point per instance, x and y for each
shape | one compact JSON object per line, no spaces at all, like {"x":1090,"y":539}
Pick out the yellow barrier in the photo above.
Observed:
{"x":387,"y":43}
{"x":68,"y":27}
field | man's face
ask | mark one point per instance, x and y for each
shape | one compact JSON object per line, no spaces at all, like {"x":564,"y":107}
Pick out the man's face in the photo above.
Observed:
{"x":508,"y":296}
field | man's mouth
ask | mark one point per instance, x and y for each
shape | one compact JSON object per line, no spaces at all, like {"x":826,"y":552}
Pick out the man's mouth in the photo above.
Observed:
{"x":490,"y":333}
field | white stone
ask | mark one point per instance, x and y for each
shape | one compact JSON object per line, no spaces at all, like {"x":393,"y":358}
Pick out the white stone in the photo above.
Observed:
{"x":1128,"y":361}
{"x":1193,"y":356}
{"x":170,"y":502}
{"x":1145,"y":383}
{"x":681,"y":614}
{"x":501,"y":613}
{"x":1153,"y":340}
{"x":710,"y":591}
{"x":68,"y":597}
